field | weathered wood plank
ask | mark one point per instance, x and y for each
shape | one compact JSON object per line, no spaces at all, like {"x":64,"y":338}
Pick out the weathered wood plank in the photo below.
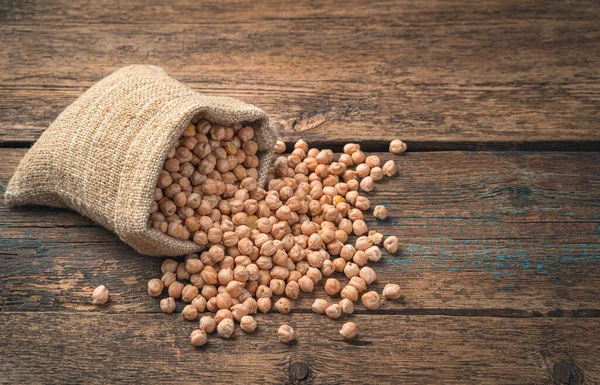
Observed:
{"x":422,"y":70}
{"x":101,"y":348}
{"x":511,"y":234}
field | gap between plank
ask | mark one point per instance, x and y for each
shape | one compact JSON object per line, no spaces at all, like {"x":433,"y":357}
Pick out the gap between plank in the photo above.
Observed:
{"x":433,"y":312}
{"x":429,"y":146}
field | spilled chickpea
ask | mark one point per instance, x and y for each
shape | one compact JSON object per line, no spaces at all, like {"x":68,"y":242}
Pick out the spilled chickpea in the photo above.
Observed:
{"x":262,"y":243}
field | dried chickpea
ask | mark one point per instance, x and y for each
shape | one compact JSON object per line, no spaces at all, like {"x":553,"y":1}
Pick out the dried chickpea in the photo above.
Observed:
{"x":286,"y":334}
{"x":248,"y":324}
{"x":175,"y":289}
{"x":238,"y":311}
{"x":347,"y":306}
{"x":349,"y":330}
{"x":391,"y":244}
{"x":367,"y":184}
{"x":167,"y":305}
{"x":100,"y":295}
{"x":351,"y":148}
{"x":279,"y":147}
{"x":292,"y":289}
{"x":333,"y":311}
{"x":332,"y":286}
{"x":306,"y":284}
{"x":358,"y":283}
{"x":222,"y":314}
{"x":368,"y":275}
{"x":225,"y":328}
{"x":359,"y":227}
{"x":389,"y":168}
{"x":397,"y":146}
{"x":392,"y":291}
{"x":263,"y":304}
{"x":375,"y":237}
{"x":283,"y":305}
{"x":189,"y":313}
{"x":198,"y":338}
{"x":155,"y":287}
{"x":319,"y":306}
{"x":380,"y":212}
{"x":188,"y":293}
{"x":208,"y":324}
{"x":350,"y":293}
{"x":370,"y":300}
{"x":169,"y":265}
{"x":351,"y":270}
{"x":199,"y":303}
{"x":360,"y":258}
{"x":373,"y":253}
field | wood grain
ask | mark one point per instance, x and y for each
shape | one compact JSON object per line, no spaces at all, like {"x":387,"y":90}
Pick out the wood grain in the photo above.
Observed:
{"x":431,"y":72}
{"x":499,"y":234}
{"x":100,"y":348}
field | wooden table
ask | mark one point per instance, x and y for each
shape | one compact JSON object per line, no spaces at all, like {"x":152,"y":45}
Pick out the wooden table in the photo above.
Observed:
{"x":496,"y":205}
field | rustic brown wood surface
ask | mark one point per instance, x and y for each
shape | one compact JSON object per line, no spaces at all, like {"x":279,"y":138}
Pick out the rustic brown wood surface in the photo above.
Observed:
{"x":500,"y":257}
{"x":435,"y":73}
{"x":391,"y":349}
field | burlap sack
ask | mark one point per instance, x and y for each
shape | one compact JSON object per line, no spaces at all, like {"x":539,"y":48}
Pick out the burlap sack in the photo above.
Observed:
{"x":102,"y":155}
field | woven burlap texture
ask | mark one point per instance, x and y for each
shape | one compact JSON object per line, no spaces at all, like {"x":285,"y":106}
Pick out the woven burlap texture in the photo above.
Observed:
{"x":102,"y":155}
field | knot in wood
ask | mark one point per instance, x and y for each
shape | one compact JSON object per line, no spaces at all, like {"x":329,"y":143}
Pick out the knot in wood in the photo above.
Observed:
{"x":566,"y":372}
{"x":299,"y":370}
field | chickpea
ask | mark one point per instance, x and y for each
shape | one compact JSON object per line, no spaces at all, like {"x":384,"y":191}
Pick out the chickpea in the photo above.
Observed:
{"x":360,"y":258}
{"x":339,"y":264}
{"x":391,"y":244}
{"x":359,"y":227}
{"x":389,"y":168}
{"x":283,"y":305}
{"x":188,"y":293}
{"x":155,"y":287}
{"x":333,"y":311}
{"x":370,"y":300}
{"x":208,"y":324}
{"x":332,"y":286}
{"x":279,"y":147}
{"x":358,"y":157}
{"x":351,"y":270}
{"x":199,"y":303}
{"x":198,"y":338}
{"x":373,"y":253}
{"x":248,"y":324}
{"x":223,"y":314}
{"x":263,"y":304}
{"x":189,"y":313}
{"x":350,"y":293}
{"x":292,"y":289}
{"x":319,"y":306}
{"x":306,"y":284}
{"x":349,"y":330}
{"x":286,"y":334}
{"x":363,"y":243}
{"x":362,"y":203}
{"x":375,"y":237}
{"x":347,"y":306}
{"x":392,"y":291}
{"x":373,"y":161}
{"x":175,"y":289}
{"x":397,"y":146}
{"x":368,"y":275}
{"x":167,"y":305}
{"x":225,"y":328}
{"x":367,"y":184}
